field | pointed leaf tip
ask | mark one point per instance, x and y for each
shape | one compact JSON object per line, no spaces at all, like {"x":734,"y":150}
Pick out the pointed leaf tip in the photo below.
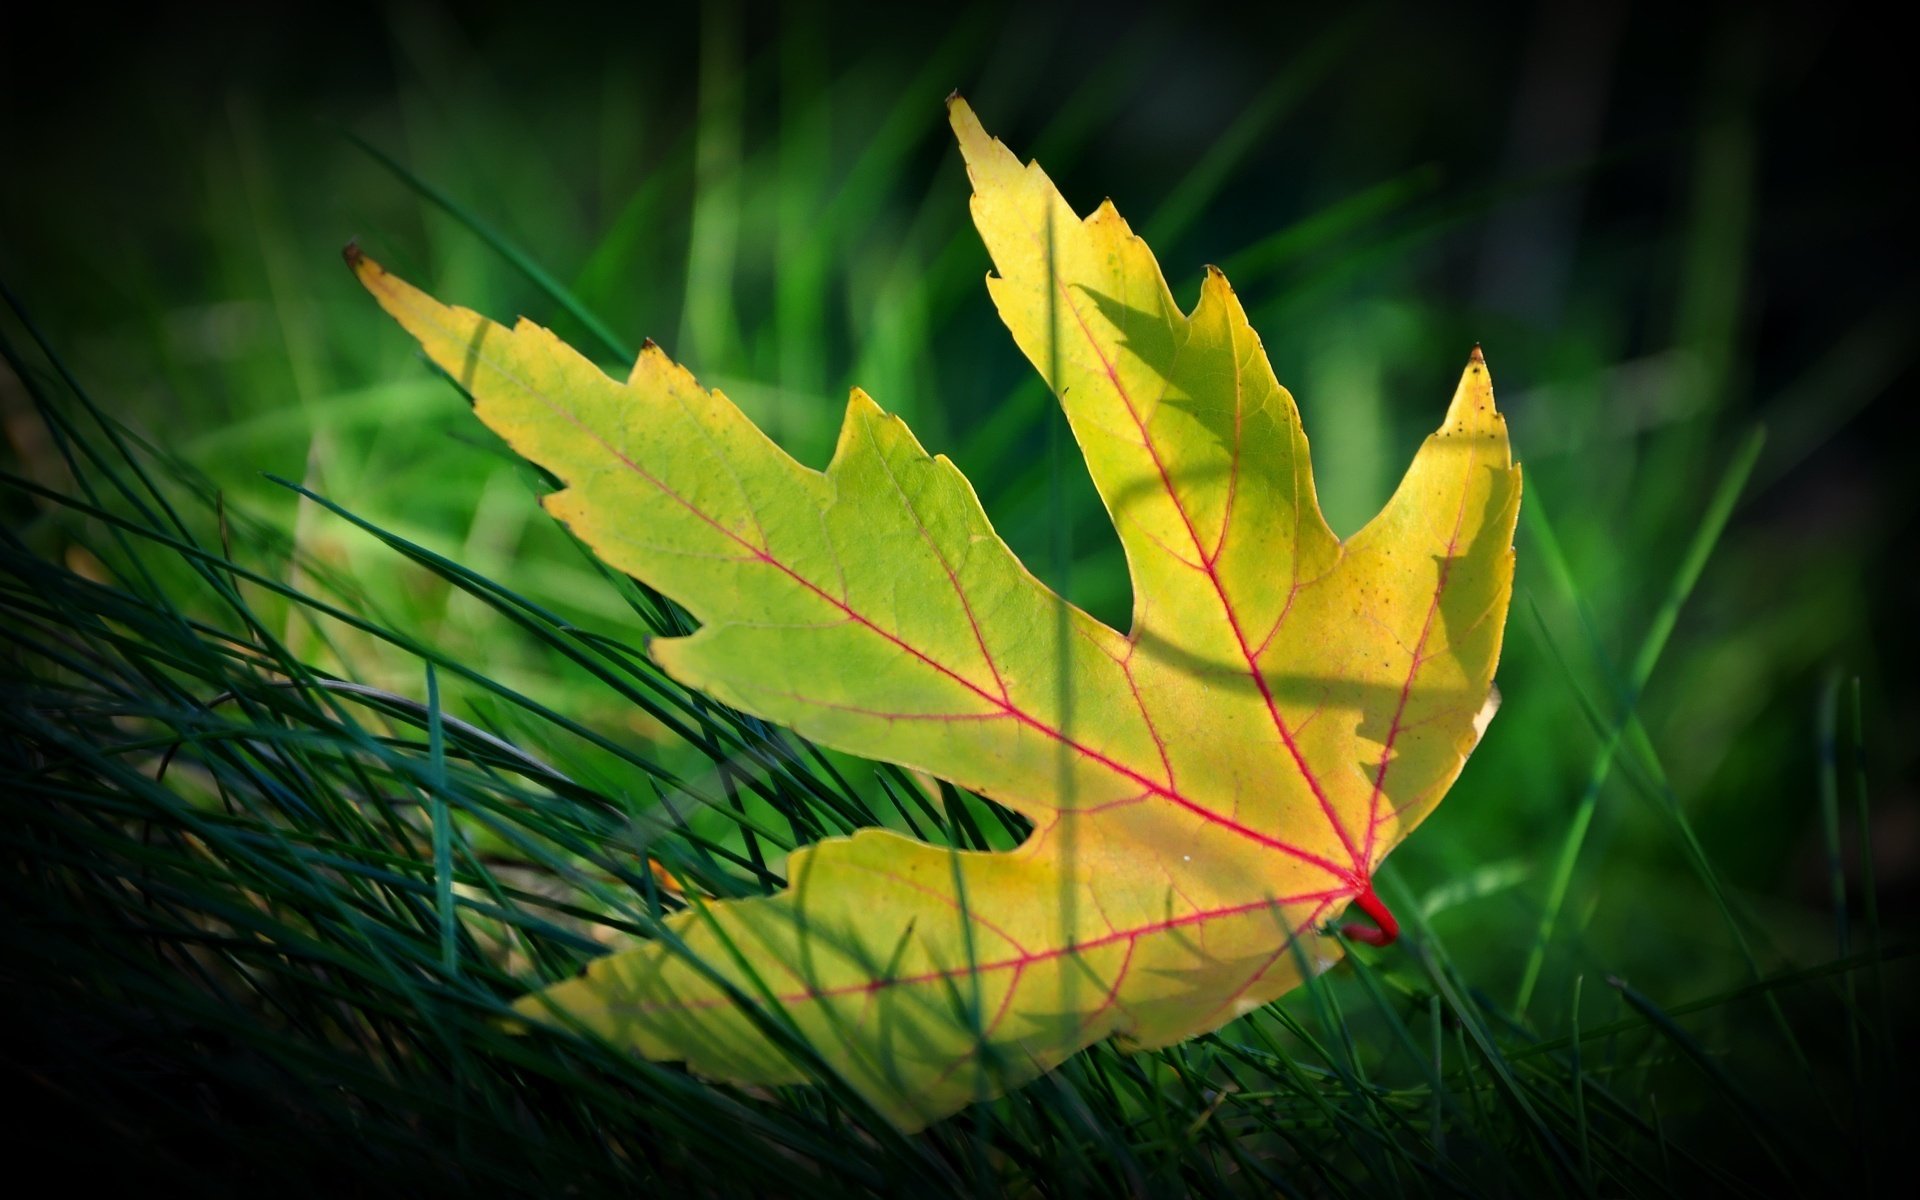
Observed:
{"x":975,"y":143}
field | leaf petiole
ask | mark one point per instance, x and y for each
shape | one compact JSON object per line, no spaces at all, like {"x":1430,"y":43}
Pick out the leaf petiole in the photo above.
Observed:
{"x":1384,"y":930}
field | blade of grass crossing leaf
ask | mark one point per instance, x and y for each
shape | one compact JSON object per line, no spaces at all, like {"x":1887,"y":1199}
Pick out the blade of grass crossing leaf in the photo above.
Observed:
{"x":1060,"y":544}
{"x":766,"y":1011}
{"x":1693,"y":562}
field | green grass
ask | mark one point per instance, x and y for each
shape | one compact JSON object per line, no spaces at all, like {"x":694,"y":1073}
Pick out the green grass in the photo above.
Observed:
{"x":322,"y":744}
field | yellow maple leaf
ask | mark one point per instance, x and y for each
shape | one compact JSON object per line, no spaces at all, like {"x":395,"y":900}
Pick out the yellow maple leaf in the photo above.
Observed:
{"x":1207,"y":790}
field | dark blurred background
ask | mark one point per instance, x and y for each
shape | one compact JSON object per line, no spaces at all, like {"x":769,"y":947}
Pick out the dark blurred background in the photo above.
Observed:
{"x":1669,"y":226}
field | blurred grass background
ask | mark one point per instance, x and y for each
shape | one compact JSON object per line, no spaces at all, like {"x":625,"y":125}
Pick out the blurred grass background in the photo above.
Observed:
{"x":1670,"y":228}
